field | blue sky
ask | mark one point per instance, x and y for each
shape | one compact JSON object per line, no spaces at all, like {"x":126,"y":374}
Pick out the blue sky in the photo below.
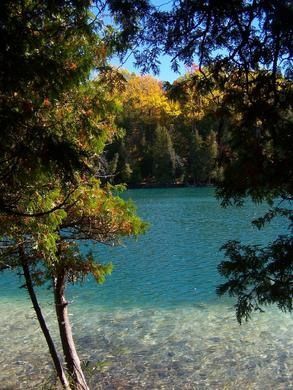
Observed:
{"x":166,"y":73}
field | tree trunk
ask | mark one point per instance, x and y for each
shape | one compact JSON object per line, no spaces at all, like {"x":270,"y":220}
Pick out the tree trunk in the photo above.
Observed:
{"x":69,"y":350}
{"x":42,"y":322}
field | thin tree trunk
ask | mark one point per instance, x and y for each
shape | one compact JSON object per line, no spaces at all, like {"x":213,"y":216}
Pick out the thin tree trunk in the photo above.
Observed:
{"x":69,"y":350}
{"x":42,"y":322}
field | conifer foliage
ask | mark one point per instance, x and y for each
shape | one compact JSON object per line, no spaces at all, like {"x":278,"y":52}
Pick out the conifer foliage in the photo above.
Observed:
{"x":244,"y":48}
{"x":55,"y":121}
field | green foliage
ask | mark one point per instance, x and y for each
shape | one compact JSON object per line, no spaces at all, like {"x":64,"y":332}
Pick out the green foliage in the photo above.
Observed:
{"x":244,"y":49}
{"x":258,"y":153}
{"x":150,"y":155}
{"x":273,"y":213}
{"x":95,"y":214}
{"x":77,"y":265}
{"x":164,"y":157}
{"x":258,"y":276}
{"x":55,"y":121}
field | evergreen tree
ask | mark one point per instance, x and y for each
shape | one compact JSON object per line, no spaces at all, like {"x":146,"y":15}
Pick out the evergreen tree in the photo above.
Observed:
{"x":247,"y":48}
{"x":164,"y":157}
{"x":55,"y":122}
{"x":196,"y":157}
{"x":210,"y":156}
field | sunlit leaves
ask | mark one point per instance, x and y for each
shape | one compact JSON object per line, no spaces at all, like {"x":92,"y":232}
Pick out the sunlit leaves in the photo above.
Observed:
{"x":145,"y":100}
{"x":49,"y":108}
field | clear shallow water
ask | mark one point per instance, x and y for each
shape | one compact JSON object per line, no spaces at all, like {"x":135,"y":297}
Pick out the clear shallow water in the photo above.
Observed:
{"x":156,"y":323}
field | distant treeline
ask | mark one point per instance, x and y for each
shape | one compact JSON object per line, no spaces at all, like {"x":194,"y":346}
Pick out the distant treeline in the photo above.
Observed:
{"x":169,"y":132}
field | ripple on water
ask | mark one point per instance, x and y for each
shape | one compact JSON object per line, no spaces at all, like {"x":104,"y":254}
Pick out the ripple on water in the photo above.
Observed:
{"x":188,"y":348}
{"x":156,"y":323}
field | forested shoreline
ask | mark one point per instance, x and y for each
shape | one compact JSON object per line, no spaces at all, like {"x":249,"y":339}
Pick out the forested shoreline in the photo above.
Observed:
{"x":75,"y":130}
{"x":168,"y":135}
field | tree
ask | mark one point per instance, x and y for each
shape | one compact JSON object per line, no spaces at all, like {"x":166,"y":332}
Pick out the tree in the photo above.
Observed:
{"x":41,"y":235}
{"x":40,"y":60}
{"x":33,"y":234}
{"x":247,"y":48}
{"x":145,"y":106}
{"x":99,"y":216}
{"x":55,"y":122}
{"x":164,"y":157}
{"x":55,"y":256}
{"x":145,"y":98}
{"x":194,"y":136}
{"x":186,"y":151}
{"x":203,"y":154}
{"x":257,"y":164}
{"x":196,"y":154}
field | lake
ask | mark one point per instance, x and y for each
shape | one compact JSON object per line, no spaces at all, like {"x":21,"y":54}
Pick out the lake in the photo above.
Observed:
{"x":157,"y":323}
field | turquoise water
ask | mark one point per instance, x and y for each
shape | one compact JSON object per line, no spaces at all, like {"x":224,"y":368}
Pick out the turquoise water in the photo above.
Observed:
{"x":156,"y":323}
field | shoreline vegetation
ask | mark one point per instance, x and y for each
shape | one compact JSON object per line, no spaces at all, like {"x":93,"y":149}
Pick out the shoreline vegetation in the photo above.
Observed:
{"x":73,"y":127}
{"x":168,"y":137}
{"x":147,"y":185}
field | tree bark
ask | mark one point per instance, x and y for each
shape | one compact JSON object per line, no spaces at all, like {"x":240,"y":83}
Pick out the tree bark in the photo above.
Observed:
{"x":69,"y":350}
{"x":42,"y":322}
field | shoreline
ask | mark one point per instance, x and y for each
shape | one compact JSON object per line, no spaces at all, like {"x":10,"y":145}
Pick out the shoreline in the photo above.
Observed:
{"x":174,"y":185}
